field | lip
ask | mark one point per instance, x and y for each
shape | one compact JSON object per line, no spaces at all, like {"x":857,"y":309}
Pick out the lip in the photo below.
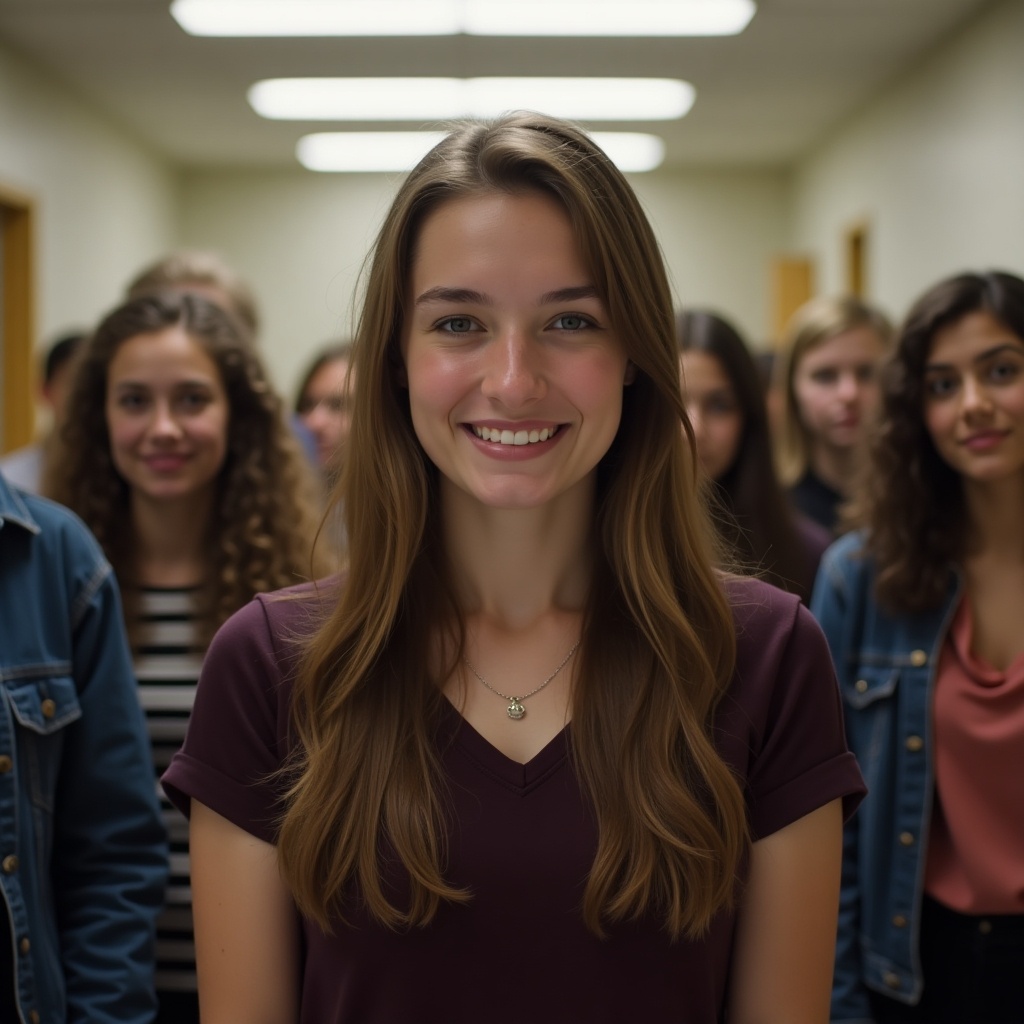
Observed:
{"x":984,"y":440}
{"x":169,"y":463}
{"x":515,"y":452}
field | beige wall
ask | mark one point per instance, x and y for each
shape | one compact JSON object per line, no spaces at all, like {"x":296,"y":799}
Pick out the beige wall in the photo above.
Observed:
{"x":104,"y":203}
{"x":935,"y":166}
{"x":300,"y":239}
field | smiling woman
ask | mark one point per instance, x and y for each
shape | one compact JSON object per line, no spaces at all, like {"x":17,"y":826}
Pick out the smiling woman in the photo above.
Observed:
{"x":532,"y":746}
{"x":176,"y":456}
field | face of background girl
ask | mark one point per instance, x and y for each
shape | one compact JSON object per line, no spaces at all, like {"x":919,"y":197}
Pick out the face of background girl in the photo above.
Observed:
{"x":326,"y":409}
{"x":515,"y":376}
{"x":836,"y":388}
{"x":714,"y":411}
{"x":974,"y":398}
{"x":167,"y":415}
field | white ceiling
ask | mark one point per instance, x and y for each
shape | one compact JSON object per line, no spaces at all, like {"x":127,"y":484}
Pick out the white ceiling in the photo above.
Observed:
{"x":764,"y":97}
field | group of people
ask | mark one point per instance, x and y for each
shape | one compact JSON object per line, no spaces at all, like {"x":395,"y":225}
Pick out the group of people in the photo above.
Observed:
{"x":541,"y":751}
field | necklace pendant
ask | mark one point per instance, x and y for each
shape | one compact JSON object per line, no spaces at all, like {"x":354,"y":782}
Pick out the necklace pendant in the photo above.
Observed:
{"x":516,"y":710}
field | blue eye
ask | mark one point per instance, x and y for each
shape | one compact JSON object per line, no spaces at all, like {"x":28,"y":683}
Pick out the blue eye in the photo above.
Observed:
{"x":572,"y":322}
{"x":458,"y":325}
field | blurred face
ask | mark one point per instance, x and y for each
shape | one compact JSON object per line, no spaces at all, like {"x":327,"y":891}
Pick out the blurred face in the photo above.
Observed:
{"x":167,"y":415}
{"x":714,"y":411}
{"x":974,"y":398}
{"x":326,"y":409}
{"x":836,"y":389}
{"x":515,"y":376}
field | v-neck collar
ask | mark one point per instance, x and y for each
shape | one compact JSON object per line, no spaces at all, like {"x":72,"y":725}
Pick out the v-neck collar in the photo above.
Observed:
{"x":523,"y":778}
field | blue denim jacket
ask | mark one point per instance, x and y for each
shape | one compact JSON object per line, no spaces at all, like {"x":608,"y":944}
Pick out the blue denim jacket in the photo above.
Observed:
{"x":83,"y":856}
{"x":886,"y":665}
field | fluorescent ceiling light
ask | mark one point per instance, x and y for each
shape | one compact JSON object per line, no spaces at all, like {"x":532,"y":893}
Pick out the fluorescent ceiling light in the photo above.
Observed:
{"x":401,"y":151}
{"x":431,"y":99}
{"x":472,"y":17}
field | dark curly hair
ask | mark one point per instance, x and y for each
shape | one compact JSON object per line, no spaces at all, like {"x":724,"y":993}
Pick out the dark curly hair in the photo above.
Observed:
{"x":910,"y":499}
{"x":264,"y":517}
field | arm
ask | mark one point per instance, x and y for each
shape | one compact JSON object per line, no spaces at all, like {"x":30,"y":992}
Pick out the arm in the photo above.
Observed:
{"x":109,"y":862}
{"x":782,"y":959}
{"x":247,"y":933}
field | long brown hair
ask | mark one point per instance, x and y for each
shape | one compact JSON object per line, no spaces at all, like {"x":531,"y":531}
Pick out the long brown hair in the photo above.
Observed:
{"x":757,"y":522}
{"x":909,"y":498}
{"x":264,"y":518}
{"x":658,"y":641}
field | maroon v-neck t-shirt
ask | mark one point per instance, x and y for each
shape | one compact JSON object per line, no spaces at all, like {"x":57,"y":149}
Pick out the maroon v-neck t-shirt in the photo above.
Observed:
{"x":523,"y":836}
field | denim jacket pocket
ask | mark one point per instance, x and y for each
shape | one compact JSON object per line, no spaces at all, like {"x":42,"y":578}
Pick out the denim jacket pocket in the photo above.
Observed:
{"x":872,"y":684}
{"x":43,"y":707}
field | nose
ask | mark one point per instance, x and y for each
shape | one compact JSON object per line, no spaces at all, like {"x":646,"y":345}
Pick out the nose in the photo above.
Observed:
{"x":849,"y":386}
{"x":976,"y":400}
{"x":164,"y":424}
{"x":513,"y":372}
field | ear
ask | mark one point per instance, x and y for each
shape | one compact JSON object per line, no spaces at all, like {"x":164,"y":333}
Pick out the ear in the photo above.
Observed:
{"x":630,"y":374}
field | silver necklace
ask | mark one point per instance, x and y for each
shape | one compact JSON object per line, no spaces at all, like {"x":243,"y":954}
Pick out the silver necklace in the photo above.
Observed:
{"x":515,"y":707}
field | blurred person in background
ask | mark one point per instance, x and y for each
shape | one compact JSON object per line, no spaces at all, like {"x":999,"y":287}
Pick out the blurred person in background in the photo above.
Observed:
{"x":924,"y":612}
{"x":724,"y":398}
{"x":25,"y":467}
{"x":83,"y":852}
{"x":324,"y":404}
{"x":176,"y":454}
{"x":826,"y":371}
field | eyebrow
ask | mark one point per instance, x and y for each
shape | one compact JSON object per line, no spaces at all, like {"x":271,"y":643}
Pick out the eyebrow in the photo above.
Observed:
{"x":468,"y":295}
{"x":980,"y":358}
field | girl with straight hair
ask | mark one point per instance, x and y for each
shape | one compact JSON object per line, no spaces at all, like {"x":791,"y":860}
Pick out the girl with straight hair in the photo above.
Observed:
{"x":725,"y":404}
{"x":826,"y":374}
{"x":922,"y":609}
{"x":531,"y":757}
{"x":176,"y":454}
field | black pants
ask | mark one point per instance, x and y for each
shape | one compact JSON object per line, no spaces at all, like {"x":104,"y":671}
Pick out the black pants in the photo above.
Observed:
{"x":973,"y":971}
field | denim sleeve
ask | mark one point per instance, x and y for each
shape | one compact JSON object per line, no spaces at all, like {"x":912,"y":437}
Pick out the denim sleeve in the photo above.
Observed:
{"x":830,"y":605}
{"x":110,"y":850}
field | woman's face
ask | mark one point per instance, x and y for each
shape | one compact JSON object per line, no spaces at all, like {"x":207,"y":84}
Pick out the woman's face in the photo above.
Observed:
{"x":326,"y":409}
{"x":836,"y":388}
{"x":714,"y":411}
{"x":515,"y":375}
{"x":974,"y":398}
{"x":167,"y":416}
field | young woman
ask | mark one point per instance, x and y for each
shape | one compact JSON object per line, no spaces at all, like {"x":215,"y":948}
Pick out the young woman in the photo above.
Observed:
{"x":176,"y":455}
{"x":923,"y":614}
{"x":324,"y":405}
{"x":535,"y":760}
{"x":826,"y":373}
{"x":725,"y":404}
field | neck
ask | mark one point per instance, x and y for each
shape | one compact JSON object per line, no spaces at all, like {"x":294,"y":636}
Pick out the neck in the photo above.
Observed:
{"x":835,"y":466}
{"x":513,"y":566}
{"x":169,"y":539}
{"x":994,"y":513}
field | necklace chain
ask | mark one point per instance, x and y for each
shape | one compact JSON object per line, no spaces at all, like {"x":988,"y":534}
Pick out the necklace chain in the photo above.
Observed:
{"x":515,"y":708}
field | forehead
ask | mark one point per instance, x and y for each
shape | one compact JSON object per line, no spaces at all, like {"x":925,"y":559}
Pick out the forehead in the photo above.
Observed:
{"x":493,"y":232}
{"x":169,"y":352}
{"x":971,"y":336}
{"x":702,"y":371}
{"x":856,"y":345}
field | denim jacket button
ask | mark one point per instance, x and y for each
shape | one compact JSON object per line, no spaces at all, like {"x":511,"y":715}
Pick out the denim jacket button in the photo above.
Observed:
{"x":33,"y":1017}
{"x":10,"y":864}
{"x":861,"y":686}
{"x":906,"y":838}
{"x":891,"y":979}
{"x":6,"y":764}
{"x":48,"y":708}
{"x":914,"y":744}
{"x":899,"y":921}
{"x":24,"y":946}
{"x":918,"y":658}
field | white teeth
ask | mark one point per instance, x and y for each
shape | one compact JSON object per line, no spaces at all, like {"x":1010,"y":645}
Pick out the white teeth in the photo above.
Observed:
{"x":513,"y":437}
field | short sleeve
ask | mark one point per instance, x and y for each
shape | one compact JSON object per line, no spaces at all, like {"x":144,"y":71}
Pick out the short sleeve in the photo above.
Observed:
{"x":237,"y":734}
{"x":784,"y":716}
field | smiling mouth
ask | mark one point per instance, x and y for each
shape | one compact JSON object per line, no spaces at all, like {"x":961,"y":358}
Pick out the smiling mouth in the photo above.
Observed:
{"x":515,"y":437}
